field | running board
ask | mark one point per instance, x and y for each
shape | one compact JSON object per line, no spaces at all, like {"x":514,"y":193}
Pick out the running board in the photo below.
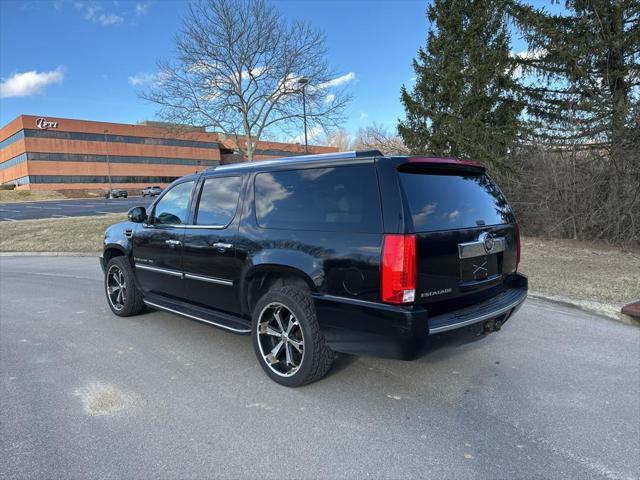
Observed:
{"x":222,"y":320}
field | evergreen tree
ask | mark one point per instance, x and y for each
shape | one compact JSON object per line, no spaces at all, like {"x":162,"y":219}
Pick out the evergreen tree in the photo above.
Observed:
{"x":584,"y":65}
{"x":464,"y":102}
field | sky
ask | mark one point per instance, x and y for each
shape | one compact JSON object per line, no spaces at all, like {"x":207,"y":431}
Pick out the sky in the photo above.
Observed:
{"x":90,"y":59}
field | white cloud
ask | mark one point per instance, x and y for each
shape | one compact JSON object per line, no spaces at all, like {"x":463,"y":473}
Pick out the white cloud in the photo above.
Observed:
{"x":346,"y":78}
{"x":531,"y":54}
{"x":329,"y":98}
{"x":142,"y":8}
{"x":363,"y":115}
{"x":143,"y":78}
{"x":29,"y":83}
{"x":95,"y":13}
{"x":312,"y":134}
{"x":535,"y":54}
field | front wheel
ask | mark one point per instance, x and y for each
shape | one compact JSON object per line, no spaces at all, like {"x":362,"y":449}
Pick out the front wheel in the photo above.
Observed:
{"x":123,"y":297}
{"x":287,"y":339}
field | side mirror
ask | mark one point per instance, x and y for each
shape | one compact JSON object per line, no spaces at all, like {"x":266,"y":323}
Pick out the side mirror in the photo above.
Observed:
{"x":137,"y":214}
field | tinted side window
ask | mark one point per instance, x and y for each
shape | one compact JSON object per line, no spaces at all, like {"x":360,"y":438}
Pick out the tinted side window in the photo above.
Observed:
{"x":218,"y":201}
{"x":445,"y":202}
{"x":173,"y":207}
{"x":339,"y":199}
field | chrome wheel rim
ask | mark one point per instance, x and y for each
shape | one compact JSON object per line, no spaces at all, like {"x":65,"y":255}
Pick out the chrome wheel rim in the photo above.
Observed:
{"x":280,"y":339}
{"x":116,"y":288}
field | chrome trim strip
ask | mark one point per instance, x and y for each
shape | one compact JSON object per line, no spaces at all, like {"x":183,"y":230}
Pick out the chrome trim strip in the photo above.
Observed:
{"x":481,"y":318}
{"x":302,"y":160}
{"x":159,"y":270}
{"x":219,"y":281}
{"x":357,"y":301}
{"x":476,"y":249}
{"x":178,"y":312}
{"x":209,"y":227}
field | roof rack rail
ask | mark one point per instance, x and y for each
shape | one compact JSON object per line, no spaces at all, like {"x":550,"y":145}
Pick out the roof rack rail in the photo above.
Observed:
{"x":303,"y":158}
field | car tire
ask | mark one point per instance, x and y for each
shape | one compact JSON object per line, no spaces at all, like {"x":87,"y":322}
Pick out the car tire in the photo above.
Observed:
{"x":303,"y":355}
{"x":123,"y":297}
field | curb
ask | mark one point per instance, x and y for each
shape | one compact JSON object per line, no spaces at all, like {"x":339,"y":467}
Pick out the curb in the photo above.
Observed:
{"x":49,"y":254}
{"x":605,"y":310}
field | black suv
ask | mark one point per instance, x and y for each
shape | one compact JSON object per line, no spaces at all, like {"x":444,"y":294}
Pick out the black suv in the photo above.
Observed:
{"x":350,"y":252}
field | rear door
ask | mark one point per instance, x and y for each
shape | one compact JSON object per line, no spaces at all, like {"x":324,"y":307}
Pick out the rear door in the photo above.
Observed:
{"x":211,"y":267}
{"x":465,"y":232}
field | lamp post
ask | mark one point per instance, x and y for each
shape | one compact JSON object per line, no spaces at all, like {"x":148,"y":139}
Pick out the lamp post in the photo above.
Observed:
{"x":304,"y":82}
{"x":106,"y":150}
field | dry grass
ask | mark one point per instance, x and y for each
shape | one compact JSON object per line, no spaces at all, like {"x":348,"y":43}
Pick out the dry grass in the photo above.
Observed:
{"x":581,"y":270}
{"x":575,"y":270}
{"x":12,"y":196}
{"x":77,"y":234}
{"x":29,"y":195}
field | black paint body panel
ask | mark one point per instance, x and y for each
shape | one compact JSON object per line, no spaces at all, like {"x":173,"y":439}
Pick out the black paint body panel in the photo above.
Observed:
{"x":341,"y":268}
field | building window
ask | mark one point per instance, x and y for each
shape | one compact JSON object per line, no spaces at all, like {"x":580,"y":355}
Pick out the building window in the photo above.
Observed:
{"x":75,"y":157}
{"x":13,"y":138}
{"x":98,"y":179}
{"x":17,"y":181}
{"x":13,"y":161}
{"x":100,"y":137}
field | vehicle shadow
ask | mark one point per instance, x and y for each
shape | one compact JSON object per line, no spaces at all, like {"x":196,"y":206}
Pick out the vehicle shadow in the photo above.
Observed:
{"x":444,"y":345}
{"x":436,"y":347}
{"x":342,"y":362}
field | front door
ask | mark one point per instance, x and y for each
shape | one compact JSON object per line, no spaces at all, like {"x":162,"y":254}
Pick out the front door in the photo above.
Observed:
{"x":211,"y":268}
{"x":158,"y":245}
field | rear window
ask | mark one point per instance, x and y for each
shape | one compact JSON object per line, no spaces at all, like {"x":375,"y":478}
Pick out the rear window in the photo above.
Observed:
{"x":446,"y":202}
{"x":339,"y":199}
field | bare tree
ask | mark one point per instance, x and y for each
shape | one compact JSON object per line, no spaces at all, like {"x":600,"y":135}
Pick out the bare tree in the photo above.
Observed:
{"x":376,"y":137}
{"x":243,"y":70}
{"x":339,"y":139}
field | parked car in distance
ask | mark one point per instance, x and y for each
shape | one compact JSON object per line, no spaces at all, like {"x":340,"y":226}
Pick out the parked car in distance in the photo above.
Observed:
{"x":151,"y":191}
{"x":351,"y":252}
{"x":116,"y":193}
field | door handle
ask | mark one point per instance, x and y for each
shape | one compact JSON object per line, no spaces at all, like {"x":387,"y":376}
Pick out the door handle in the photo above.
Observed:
{"x":173,"y":243}
{"x":221,"y":245}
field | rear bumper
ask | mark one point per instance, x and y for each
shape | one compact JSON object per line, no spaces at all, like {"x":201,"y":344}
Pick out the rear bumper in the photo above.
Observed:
{"x":502,"y":305}
{"x":369,"y":328}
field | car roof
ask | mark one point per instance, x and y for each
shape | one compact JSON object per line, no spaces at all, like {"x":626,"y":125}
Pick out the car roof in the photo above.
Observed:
{"x":339,"y":159}
{"x":324,"y":159}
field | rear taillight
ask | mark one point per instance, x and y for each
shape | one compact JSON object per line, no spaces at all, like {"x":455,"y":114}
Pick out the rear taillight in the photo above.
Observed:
{"x":517,"y":231}
{"x":399,"y":269}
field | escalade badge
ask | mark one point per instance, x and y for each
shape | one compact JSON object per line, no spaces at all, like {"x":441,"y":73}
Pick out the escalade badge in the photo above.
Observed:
{"x":487,"y":240}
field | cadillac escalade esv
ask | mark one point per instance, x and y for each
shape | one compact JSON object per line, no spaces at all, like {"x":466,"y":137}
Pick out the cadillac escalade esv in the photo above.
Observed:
{"x":351,"y":252}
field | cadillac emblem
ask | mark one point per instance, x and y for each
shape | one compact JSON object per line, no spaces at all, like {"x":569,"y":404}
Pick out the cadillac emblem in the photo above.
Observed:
{"x":487,"y":240}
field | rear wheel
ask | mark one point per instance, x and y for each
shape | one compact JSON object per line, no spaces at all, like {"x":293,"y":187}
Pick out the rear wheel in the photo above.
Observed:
{"x":287,"y":338}
{"x":123,"y":297}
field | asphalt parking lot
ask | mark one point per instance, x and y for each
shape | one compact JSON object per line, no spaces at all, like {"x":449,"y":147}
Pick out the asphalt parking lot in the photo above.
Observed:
{"x":80,"y":207}
{"x":86,"y":394}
